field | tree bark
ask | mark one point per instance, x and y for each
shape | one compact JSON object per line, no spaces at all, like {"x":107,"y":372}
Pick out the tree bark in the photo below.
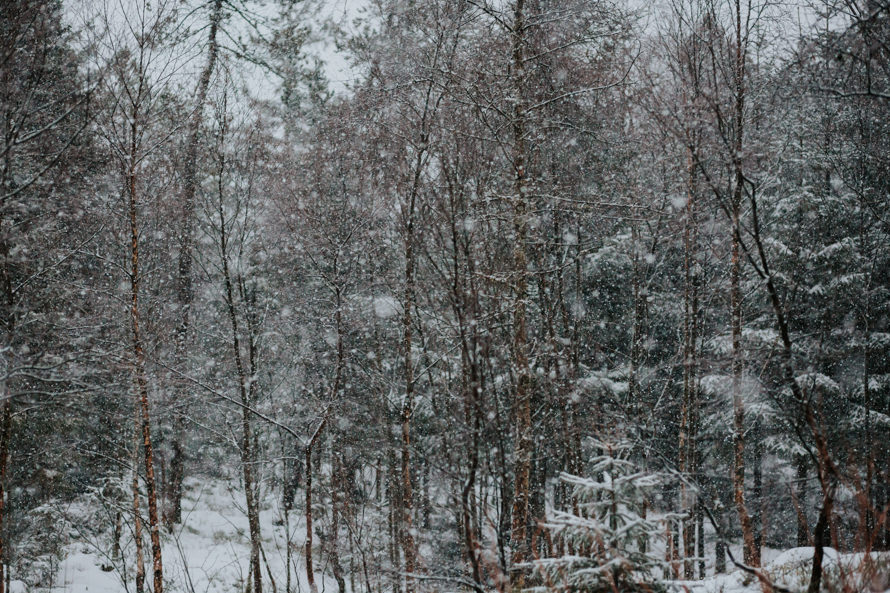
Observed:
{"x":751,"y":553}
{"x":522,"y":398}
{"x":803,"y":529}
{"x":137,"y":515}
{"x":720,"y":545}
{"x":184,"y":291}
{"x":138,"y":352}
{"x":246,"y":390}
{"x":310,"y":573}
{"x":338,"y":483}
{"x":689,"y":411}
{"x":5,"y":436}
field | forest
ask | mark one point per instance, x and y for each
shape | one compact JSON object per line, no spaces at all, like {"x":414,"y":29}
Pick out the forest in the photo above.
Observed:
{"x":444,"y":296}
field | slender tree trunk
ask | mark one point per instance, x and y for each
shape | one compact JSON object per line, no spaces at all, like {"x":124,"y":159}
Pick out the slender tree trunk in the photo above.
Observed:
{"x":465,"y":305}
{"x":140,"y":377}
{"x":184,"y":291}
{"x":757,"y":489}
{"x":336,"y":507}
{"x":820,"y":539}
{"x":634,"y":398}
{"x":522,"y":399}
{"x":137,"y":515}
{"x":803,"y":529}
{"x":751,"y":553}
{"x":245,"y":390}
{"x":310,"y":573}
{"x":407,"y":489}
{"x":393,"y":484}
{"x":700,"y":538}
{"x":688,"y":415}
{"x":5,"y":436}
{"x":869,"y":501}
{"x":288,"y":550}
{"x":720,"y":545}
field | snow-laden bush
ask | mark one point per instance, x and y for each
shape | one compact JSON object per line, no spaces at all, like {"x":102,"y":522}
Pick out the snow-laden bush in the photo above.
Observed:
{"x":606,"y":537}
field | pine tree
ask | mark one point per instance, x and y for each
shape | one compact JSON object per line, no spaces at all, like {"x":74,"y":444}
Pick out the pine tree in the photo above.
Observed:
{"x":607,"y":534}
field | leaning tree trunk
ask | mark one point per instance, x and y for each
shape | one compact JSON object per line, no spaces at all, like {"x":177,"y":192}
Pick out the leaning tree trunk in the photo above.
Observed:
{"x":825,"y":466}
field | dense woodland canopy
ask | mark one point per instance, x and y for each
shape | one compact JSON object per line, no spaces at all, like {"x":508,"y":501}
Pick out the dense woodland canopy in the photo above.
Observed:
{"x":576,"y":295}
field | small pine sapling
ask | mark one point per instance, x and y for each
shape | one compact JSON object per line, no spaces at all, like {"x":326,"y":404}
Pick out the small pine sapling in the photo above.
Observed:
{"x":606,"y":535}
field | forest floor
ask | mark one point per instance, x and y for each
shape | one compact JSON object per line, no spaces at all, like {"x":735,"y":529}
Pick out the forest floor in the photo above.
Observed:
{"x":209,"y":552}
{"x":791,"y":569}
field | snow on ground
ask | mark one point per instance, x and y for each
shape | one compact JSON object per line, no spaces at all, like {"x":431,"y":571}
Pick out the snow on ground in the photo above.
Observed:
{"x":208,"y":553}
{"x":791,"y":570}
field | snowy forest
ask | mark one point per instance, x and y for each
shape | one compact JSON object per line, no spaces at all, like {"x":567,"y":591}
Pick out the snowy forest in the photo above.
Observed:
{"x":444,"y":296}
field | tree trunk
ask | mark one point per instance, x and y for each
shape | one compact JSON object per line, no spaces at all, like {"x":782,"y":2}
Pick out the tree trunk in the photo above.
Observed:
{"x":5,"y":436}
{"x":751,"y":553}
{"x":245,"y":390}
{"x":522,"y":399}
{"x":803,"y":529}
{"x":137,"y":515}
{"x":139,"y":373}
{"x":407,"y":489}
{"x":336,"y":505}
{"x":720,"y":544}
{"x":689,"y":411}
{"x":184,"y":291}
{"x":757,"y":489}
{"x":310,"y":573}
{"x":820,"y":539}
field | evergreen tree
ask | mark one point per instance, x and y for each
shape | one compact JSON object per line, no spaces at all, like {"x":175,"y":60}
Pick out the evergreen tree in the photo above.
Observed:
{"x":607,"y":535}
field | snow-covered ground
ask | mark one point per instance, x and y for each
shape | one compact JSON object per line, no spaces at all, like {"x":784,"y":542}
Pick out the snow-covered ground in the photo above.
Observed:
{"x":207,"y":553}
{"x":791,"y":569}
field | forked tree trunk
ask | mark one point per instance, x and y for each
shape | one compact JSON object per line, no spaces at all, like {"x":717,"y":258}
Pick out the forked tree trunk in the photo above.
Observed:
{"x":825,"y":466}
